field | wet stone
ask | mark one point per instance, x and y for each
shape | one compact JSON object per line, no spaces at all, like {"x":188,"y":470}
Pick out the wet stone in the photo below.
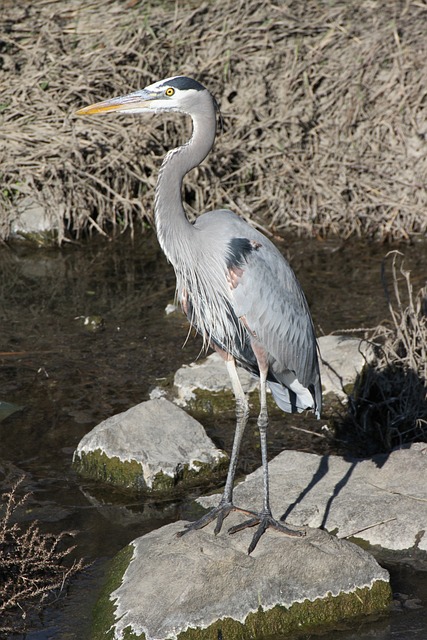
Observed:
{"x":91,"y":324}
{"x":206,"y":586}
{"x":380,"y":500}
{"x":8,"y":409}
{"x":154,"y":447}
{"x":208,"y":375}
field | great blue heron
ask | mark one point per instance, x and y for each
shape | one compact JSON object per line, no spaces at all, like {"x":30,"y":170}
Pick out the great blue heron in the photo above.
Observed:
{"x":235,"y":287}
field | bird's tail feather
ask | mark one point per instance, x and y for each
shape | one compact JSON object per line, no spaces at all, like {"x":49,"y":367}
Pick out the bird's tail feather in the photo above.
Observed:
{"x":292,"y":400}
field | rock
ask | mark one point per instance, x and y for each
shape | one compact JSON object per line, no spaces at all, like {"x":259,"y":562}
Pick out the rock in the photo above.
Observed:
{"x":382,"y":500}
{"x":91,"y":324}
{"x":172,"y":308}
{"x":7,"y":409}
{"x":209,"y":375}
{"x":32,"y":219}
{"x":155,"y":447}
{"x":344,"y":358}
{"x":202,"y":586}
{"x":157,"y":393}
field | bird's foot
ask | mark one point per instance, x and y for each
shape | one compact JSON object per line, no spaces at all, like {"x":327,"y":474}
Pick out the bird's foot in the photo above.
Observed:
{"x":264,"y":520}
{"x":218,"y":513}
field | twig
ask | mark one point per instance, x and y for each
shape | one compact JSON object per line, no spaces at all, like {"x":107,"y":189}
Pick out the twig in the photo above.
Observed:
{"x":371,"y":526}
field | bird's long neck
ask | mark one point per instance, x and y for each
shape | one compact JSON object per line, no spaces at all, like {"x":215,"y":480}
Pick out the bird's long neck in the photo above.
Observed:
{"x":173,"y":229}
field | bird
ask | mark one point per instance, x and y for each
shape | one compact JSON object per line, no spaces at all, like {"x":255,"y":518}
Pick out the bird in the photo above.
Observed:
{"x":235,"y":287}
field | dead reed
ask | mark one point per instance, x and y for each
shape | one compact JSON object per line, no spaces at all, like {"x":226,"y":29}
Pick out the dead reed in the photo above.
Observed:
{"x":32,"y":570}
{"x":389,"y":405}
{"x":324,"y":103}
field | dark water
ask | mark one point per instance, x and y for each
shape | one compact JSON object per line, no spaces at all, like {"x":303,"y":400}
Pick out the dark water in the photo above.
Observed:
{"x":68,"y":379}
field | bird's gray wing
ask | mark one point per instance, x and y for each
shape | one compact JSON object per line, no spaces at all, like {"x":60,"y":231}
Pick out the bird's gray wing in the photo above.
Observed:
{"x":269,"y":299}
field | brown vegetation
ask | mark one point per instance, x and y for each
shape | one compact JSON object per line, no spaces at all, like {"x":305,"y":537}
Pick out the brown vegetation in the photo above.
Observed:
{"x":324,"y":104}
{"x":389,"y":404}
{"x":32,"y":570}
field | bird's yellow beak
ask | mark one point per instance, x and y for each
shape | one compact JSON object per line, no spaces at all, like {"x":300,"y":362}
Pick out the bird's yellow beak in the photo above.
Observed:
{"x":98,"y":107}
{"x":136,"y":102}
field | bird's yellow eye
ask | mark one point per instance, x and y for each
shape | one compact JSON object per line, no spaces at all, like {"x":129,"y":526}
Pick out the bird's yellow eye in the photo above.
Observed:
{"x":169,"y":91}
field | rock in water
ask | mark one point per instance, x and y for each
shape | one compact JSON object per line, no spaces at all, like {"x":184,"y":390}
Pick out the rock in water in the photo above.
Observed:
{"x":204,"y":586}
{"x":154,"y":447}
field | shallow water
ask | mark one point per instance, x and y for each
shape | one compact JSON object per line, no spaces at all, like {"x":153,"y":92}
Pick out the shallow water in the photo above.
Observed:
{"x":68,"y":379}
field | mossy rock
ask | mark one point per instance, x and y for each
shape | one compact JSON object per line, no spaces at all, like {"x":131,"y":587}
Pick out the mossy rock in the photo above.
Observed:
{"x":207,"y":587}
{"x":129,"y":474}
{"x":216,"y":403}
{"x":103,"y":613}
{"x":299,"y":618}
{"x":321,"y":614}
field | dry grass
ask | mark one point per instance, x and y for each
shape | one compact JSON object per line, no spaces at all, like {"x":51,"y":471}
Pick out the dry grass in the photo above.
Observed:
{"x":389,"y":404}
{"x":32,"y":572}
{"x":324,"y":103}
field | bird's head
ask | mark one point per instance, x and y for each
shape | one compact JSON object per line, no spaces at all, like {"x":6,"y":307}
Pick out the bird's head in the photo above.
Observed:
{"x":178,"y":94}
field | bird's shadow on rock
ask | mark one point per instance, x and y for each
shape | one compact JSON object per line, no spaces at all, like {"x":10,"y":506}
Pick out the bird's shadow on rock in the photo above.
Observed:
{"x":320,"y":473}
{"x":386,"y":411}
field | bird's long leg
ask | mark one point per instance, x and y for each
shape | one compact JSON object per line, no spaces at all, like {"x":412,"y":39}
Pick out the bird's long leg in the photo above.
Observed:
{"x":225,"y":506}
{"x":265,"y":518}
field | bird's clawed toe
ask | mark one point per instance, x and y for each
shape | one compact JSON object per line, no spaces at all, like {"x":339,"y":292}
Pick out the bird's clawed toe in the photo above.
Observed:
{"x":218,"y":513}
{"x":264,"y":521}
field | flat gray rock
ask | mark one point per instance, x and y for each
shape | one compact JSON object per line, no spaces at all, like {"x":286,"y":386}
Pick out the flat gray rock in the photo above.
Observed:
{"x":343,"y":359}
{"x":173,"y":585}
{"x":151,"y":446}
{"x":211,"y":375}
{"x":382,"y":500}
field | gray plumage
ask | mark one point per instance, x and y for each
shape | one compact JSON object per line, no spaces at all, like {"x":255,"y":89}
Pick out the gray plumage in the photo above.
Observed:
{"x":234,"y":285}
